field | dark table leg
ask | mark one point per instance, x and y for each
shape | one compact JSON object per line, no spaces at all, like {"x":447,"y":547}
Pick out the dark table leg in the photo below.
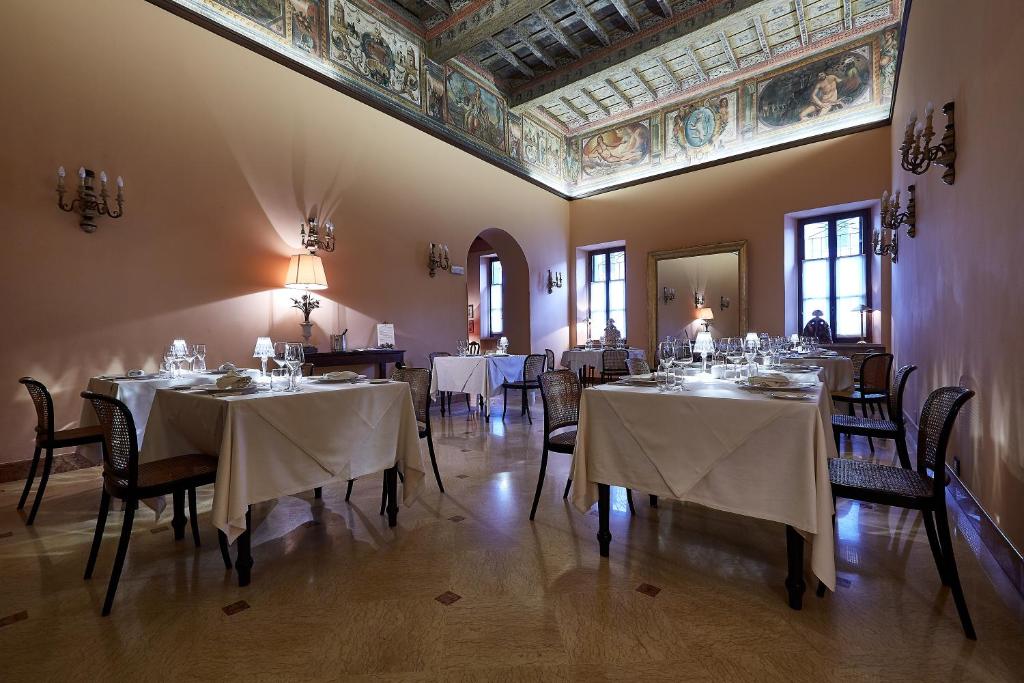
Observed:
{"x":391,"y":479}
{"x":382,"y":370}
{"x":178,"y":521}
{"x":604,"y":536}
{"x":795,"y":585}
{"x":243,"y":560}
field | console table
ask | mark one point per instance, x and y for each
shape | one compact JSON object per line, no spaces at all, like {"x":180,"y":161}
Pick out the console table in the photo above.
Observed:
{"x":380,"y":357}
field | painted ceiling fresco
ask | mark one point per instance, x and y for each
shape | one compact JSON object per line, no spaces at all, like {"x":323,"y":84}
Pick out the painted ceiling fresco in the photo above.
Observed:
{"x":586,"y":95}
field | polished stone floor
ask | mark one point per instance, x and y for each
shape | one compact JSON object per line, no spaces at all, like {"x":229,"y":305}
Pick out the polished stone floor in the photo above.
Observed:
{"x":466,"y":588}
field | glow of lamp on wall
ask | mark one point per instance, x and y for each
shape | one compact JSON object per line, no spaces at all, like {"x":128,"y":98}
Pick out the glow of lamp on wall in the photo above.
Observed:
{"x":438,"y":259}
{"x":88,"y":205}
{"x":554,"y":281}
{"x":705,"y":316}
{"x":917,"y":153}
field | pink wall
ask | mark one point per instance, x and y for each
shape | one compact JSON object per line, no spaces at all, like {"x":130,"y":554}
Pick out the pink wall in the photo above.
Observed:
{"x":224,"y":152}
{"x":746,"y":199}
{"x":956,"y":288}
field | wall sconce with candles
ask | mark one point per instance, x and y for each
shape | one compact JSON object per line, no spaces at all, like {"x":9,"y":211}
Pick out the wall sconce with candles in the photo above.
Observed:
{"x":668,"y":294}
{"x":887,"y":240}
{"x":916,"y":153}
{"x":554,"y":282}
{"x":87,"y":204}
{"x":698,"y":299}
{"x":311,"y":237}
{"x":438,"y":259}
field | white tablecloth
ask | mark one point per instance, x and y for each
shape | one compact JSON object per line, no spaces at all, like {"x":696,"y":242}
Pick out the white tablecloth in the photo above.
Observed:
{"x":836,"y":371}
{"x":475,"y":375}
{"x":716,"y":445}
{"x":273,"y":445}
{"x":575,"y":359}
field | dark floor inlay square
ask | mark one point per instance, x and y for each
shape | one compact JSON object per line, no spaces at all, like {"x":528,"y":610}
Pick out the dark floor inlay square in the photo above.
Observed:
{"x":6,"y":534}
{"x":456,"y":518}
{"x":448,"y":598}
{"x":158,"y":529}
{"x":648,"y":589}
{"x":14,"y":618}
{"x":845,"y":583}
{"x":235,"y":607}
{"x":462,"y":476}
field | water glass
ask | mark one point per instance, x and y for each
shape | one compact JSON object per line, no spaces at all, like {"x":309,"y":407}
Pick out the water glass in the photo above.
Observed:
{"x":294,"y":358}
{"x":199,"y":354}
{"x":280,"y":379}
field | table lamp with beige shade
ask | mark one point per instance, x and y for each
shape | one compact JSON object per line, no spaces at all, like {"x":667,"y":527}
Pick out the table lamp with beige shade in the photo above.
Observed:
{"x":306,"y":272}
{"x":705,"y":316}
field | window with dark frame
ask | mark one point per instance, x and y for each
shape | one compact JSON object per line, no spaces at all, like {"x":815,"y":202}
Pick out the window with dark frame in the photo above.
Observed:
{"x":495,"y":316}
{"x":835,"y":272}
{"x":607,"y":289}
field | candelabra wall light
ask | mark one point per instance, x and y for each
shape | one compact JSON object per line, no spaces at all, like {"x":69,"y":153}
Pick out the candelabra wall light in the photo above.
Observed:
{"x":88,"y":204}
{"x":886,"y":242}
{"x":311,"y":237}
{"x":698,"y":299}
{"x":668,"y":294}
{"x":917,"y":153}
{"x":554,"y":281}
{"x":724,"y":303}
{"x":438,"y":259}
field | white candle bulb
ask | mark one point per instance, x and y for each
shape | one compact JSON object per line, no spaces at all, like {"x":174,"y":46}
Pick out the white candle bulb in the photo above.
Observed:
{"x":103,"y":177}
{"x":120,"y":182}
{"x":896,"y":200}
{"x":81,"y":172}
{"x":885,"y":198}
{"x":929,"y":109}
{"x":60,"y":172}
{"x":913,"y":117}
{"x":919,"y":129}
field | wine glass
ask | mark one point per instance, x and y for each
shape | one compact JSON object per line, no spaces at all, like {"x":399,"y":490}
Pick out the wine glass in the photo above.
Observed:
{"x":279,"y":348}
{"x":750,"y":348}
{"x":293,"y":358}
{"x":168,"y":365}
{"x":199,"y":354}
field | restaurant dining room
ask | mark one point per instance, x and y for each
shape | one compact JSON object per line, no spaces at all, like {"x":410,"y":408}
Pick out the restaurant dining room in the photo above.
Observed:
{"x":512,"y":340}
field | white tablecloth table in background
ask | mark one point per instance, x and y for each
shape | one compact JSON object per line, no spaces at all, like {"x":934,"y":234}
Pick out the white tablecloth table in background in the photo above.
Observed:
{"x":836,"y":371}
{"x":480,"y":376}
{"x":580,"y":359}
{"x":717,"y":445}
{"x":277,"y":444}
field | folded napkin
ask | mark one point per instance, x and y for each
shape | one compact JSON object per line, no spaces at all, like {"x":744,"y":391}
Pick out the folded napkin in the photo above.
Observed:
{"x":227,"y":367}
{"x":339,"y":375}
{"x":769,"y":379}
{"x":234,"y":380}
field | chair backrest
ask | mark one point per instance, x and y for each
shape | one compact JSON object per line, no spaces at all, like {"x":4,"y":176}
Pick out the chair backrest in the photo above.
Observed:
{"x":936,"y":423}
{"x":899,"y":383}
{"x":120,"y":443}
{"x":43,"y":403}
{"x":560,"y":390}
{"x":638,"y":366}
{"x":857,"y":360}
{"x":551,"y":358}
{"x":533,"y":366}
{"x":614,"y":360}
{"x":418,"y":380}
{"x":474,"y":348}
{"x":875,"y":373}
{"x":307,"y":369}
{"x":437,"y":354}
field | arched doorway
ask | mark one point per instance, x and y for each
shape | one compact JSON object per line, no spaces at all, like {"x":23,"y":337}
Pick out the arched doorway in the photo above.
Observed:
{"x":498,"y":291}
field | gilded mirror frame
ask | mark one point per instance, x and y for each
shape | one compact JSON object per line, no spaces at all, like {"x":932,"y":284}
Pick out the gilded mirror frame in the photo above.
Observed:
{"x":654,"y":257}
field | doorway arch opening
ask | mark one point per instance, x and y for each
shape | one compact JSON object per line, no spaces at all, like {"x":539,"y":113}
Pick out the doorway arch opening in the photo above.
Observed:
{"x":498,"y":291}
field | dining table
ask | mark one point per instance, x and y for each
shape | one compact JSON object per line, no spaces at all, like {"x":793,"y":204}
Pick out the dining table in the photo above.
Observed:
{"x":758,"y":453}
{"x":481,"y":376}
{"x":835,"y":370}
{"x":271,"y":444}
{"x":582,"y":361}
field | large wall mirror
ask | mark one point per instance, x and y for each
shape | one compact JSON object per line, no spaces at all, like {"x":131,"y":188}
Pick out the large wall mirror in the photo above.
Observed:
{"x":686,"y":285}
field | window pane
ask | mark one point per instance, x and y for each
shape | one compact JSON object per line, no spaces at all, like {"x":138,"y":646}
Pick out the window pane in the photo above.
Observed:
{"x":598,"y":267}
{"x":496,"y":297}
{"x":851,"y":277}
{"x":619,"y":316}
{"x":815,"y":280}
{"x":815,"y":241}
{"x":617,"y":295}
{"x":598,"y":307}
{"x":809,"y":306}
{"x":848,"y":236}
{"x":617,"y":260}
{"x":495,"y":272}
{"x":848,"y":316}
{"x":496,"y":321}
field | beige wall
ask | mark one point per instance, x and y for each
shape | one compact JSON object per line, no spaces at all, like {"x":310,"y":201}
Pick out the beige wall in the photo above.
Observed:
{"x":223,"y":152}
{"x":957,"y":286}
{"x":746,"y":199}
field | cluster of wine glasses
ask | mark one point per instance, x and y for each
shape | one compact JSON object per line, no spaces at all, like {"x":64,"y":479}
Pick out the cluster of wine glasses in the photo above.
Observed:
{"x":289,"y":357}
{"x":180,"y":353}
{"x":674,"y":357}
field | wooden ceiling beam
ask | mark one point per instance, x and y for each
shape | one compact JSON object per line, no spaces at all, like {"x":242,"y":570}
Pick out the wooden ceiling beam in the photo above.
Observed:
{"x":592,"y":23}
{"x":670,"y":73}
{"x":533,"y":47}
{"x":848,"y":14}
{"x":484,"y":23}
{"x":441,"y":6}
{"x":597,"y":103}
{"x":582,"y":115}
{"x":701,"y":74}
{"x":799,"y":4}
{"x":665,"y":7}
{"x":619,"y":91}
{"x":627,"y":15}
{"x":762,"y":37}
{"x":510,"y":57}
{"x":644,"y":84}
{"x":727,"y":48}
{"x":558,"y":34}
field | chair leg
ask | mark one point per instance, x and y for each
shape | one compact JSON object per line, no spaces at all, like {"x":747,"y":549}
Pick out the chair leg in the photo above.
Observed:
{"x":222,"y":541}
{"x":193,"y":516}
{"x":864,"y":414}
{"x":942,"y":522}
{"x":384,"y":494}
{"x":629,"y":500}
{"x":318,"y":493}
{"x":122,"y":550}
{"x":31,"y":477}
{"x":568,"y":485}
{"x":526,"y":405}
{"x":469,"y":408}
{"x":540,"y":481}
{"x":820,"y":592}
{"x":178,"y":518}
{"x":835,"y":435}
{"x":433,"y":461}
{"x":348,"y":489}
{"x":504,"y":404}
{"x":654,"y":501}
{"x":441,"y":399}
{"x":933,"y":543}
{"x":101,"y":523}
{"x":47,"y":464}
{"x":901,"y":449}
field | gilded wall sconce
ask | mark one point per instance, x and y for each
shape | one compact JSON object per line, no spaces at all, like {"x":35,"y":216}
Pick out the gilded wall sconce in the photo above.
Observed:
{"x":313,"y":238}
{"x":917,"y":154}
{"x":88,"y":205}
{"x":668,"y":294}
{"x":554,"y":281}
{"x":887,"y":240}
{"x":724,"y":303}
{"x":698,"y":299}
{"x":438,"y":259}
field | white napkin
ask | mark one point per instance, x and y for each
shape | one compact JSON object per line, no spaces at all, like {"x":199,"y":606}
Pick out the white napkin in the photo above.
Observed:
{"x":227,"y":367}
{"x":339,"y":375}
{"x":234,"y":380}
{"x":769,"y":379}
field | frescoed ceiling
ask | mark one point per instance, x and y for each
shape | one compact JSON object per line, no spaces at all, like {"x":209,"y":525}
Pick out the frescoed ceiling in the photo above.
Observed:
{"x":582,"y":96}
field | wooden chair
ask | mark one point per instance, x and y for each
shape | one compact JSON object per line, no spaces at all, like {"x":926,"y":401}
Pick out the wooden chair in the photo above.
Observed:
{"x":125,"y":478}
{"x":533,"y":367}
{"x":306,"y":369}
{"x":915,"y":489}
{"x":49,"y":439}
{"x":560,"y":391}
{"x":872,"y":387}
{"x":613,"y":364}
{"x":446,"y":394}
{"x":893,"y":428}
{"x":550,"y":359}
{"x":638,"y":366}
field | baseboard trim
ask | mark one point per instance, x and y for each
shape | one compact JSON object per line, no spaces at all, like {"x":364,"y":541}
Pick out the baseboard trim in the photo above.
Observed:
{"x":62,"y":462}
{"x":992,"y":538}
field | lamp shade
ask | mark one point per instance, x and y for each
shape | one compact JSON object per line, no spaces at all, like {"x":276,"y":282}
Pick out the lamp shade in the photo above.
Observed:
{"x":306,"y":271}
{"x":704,"y":343}
{"x":264,"y":348}
{"x":705,"y":314}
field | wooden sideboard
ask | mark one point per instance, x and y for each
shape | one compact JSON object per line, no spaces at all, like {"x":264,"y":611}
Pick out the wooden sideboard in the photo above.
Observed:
{"x":378,"y":357}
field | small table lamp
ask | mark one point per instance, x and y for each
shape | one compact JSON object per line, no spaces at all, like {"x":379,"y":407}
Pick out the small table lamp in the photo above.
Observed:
{"x":306,"y":271}
{"x":704,"y":345}
{"x":264,"y":350}
{"x":705,"y":316}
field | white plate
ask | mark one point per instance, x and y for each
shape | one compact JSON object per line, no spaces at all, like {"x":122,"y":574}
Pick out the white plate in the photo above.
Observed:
{"x":349,"y":380}
{"x":790,"y":395}
{"x":802,"y":386}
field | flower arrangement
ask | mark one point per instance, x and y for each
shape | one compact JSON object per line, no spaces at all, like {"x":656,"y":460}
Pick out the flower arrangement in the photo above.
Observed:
{"x":307,"y":304}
